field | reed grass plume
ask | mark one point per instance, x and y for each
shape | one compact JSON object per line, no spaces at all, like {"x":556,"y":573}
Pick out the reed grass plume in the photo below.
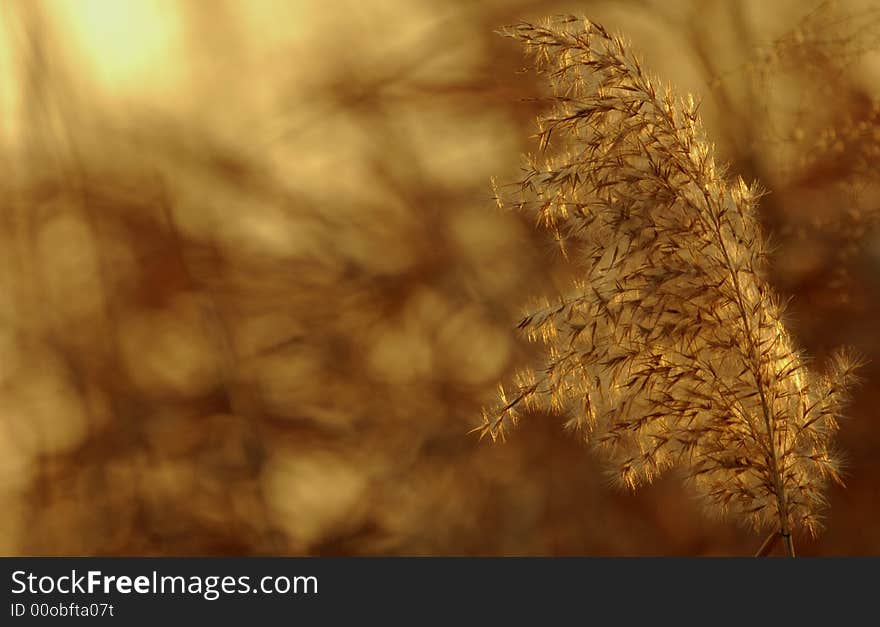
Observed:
{"x":670,"y":350}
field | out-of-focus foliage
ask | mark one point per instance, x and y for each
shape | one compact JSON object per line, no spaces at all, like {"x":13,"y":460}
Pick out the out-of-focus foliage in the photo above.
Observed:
{"x":254,"y":291}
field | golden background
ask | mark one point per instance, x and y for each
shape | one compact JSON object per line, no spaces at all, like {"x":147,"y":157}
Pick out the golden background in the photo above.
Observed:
{"x":254,"y":291}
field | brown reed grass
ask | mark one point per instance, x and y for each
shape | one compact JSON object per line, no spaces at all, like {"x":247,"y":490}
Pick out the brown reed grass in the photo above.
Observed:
{"x":670,"y":350}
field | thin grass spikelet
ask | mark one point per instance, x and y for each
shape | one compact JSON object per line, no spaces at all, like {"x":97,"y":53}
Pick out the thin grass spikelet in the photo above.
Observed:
{"x":670,"y":349}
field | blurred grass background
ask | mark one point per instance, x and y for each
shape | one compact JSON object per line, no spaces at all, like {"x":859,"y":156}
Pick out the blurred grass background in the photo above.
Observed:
{"x":254,"y":290}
